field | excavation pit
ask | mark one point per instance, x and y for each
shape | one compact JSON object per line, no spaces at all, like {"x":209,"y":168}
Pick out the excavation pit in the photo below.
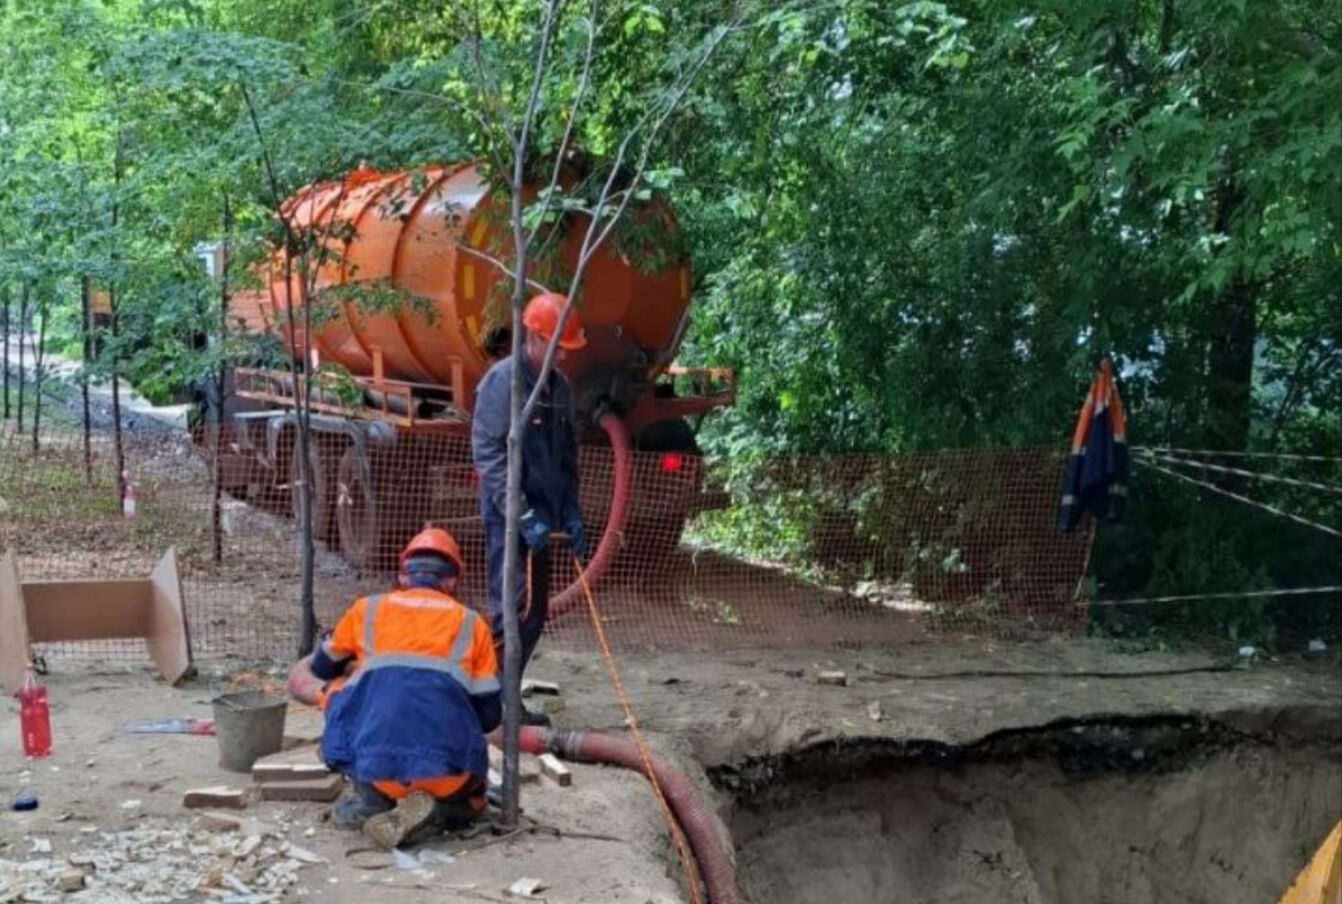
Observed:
{"x":1114,"y":812}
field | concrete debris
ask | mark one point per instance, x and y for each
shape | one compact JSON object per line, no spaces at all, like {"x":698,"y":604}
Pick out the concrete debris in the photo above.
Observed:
{"x":215,"y":796}
{"x":837,"y":678}
{"x":532,"y":686}
{"x":874,"y":711}
{"x":160,"y":866}
{"x":216,"y":821}
{"x":71,"y":880}
{"x":302,"y":855}
{"x":526,"y":888}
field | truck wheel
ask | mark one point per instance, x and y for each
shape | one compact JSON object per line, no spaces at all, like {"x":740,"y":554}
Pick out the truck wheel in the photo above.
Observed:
{"x":323,"y":488}
{"x":375,"y":512}
{"x":358,"y":512}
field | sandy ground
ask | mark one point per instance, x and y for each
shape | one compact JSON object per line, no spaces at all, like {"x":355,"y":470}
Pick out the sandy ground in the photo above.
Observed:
{"x":602,"y":839}
{"x":729,"y":708}
{"x":99,"y":783}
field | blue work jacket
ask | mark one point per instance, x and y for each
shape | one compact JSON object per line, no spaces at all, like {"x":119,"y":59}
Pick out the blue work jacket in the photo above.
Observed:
{"x":549,"y":446}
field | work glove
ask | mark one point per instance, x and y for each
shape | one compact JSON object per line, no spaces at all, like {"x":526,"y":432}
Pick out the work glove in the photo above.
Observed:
{"x":577,"y":537}
{"x":535,"y":532}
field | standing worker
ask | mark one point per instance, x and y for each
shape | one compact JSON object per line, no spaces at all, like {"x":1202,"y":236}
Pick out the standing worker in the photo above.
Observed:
{"x":408,"y":725}
{"x":549,"y":472}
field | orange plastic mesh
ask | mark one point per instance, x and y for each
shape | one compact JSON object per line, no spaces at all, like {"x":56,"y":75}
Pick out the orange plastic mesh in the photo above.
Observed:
{"x":804,"y":552}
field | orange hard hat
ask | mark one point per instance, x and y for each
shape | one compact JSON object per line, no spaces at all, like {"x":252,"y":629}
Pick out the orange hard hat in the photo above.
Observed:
{"x":542,"y":314}
{"x":434,"y":540}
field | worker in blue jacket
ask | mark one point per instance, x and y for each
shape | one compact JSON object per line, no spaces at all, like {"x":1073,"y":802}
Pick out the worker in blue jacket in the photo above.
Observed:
{"x":549,"y":471}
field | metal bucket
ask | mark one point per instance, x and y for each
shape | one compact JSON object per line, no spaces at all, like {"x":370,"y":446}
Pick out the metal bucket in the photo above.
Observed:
{"x":249,"y":725}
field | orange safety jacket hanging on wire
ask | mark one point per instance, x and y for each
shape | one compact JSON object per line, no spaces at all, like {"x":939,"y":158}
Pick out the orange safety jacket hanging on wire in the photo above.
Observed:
{"x":1095,"y":479}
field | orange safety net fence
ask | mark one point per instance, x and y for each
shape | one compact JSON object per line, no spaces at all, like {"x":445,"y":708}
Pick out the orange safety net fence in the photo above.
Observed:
{"x":796,"y":553}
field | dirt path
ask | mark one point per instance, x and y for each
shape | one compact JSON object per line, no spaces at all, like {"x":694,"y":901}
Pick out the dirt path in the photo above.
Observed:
{"x":60,"y":388}
{"x":731,"y":708}
{"x":116,"y":799}
{"x":110,"y":795}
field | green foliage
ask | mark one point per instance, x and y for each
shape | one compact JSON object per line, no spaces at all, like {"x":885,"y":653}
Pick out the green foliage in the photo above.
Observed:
{"x":913,"y":225}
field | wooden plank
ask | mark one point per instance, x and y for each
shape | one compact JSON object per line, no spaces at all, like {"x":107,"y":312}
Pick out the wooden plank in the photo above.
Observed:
{"x":87,"y":610}
{"x":13,"y":626}
{"x":167,"y":638}
{"x":263,"y":773}
{"x":555,"y":771}
{"x":322,"y":789}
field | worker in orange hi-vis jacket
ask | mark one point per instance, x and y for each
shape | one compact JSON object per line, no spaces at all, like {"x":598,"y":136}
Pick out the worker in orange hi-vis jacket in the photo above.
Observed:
{"x":412,"y":687}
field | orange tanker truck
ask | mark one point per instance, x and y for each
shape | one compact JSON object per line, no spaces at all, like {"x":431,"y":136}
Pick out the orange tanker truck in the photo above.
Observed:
{"x":391,"y":430}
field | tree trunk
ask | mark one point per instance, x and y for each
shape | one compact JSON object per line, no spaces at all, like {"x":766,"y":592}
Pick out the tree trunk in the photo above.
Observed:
{"x":86,"y":334}
{"x":217,"y":377}
{"x":308,"y":622}
{"x":1233,"y":328}
{"x":118,"y":443}
{"x":4,"y":329}
{"x":23,"y":320}
{"x":39,"y":359}
{"x":307,"y":626}
{"x":512,"y":634}
{"x":114,"y":317}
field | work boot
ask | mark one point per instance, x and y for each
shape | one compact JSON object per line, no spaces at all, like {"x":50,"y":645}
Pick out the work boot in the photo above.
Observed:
{"x":413,"y":814}
{"x":358,"y":803}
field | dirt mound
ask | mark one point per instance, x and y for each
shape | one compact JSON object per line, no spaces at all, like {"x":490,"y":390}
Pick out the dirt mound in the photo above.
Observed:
{"x":1120,"y":815}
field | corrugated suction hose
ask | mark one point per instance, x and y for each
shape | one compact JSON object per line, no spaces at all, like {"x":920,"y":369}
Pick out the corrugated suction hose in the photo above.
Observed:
{"x":696,"y":819}
{"x":613,"y":535}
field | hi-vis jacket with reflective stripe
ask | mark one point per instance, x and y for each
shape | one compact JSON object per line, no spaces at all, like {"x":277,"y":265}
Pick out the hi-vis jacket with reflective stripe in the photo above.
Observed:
{"x":425,"y":691}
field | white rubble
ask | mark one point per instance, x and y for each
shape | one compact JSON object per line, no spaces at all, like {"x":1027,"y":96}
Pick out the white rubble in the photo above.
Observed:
{"x":158,"y":866}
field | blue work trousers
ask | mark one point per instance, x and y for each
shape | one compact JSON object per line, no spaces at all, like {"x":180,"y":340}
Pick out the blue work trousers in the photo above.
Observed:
{"x":533,"y":593}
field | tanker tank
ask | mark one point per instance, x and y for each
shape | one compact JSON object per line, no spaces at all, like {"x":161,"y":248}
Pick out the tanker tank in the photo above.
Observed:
{"x":438,"y":237}
{"x":408,"y":307}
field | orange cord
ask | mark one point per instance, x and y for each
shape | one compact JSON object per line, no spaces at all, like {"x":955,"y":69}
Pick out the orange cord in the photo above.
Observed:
{"x":526,"y":610}
{"x":686,"y":860}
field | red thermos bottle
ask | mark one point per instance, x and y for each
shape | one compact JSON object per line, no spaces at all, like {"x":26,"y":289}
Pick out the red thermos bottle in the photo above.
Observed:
{"x":34,"y":716}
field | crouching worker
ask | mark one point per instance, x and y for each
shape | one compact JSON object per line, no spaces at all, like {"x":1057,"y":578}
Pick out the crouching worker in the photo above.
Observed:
{"x":408,"y":725}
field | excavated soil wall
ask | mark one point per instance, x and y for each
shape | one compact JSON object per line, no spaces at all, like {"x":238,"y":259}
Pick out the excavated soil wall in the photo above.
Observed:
{"x":1152,"y":811}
